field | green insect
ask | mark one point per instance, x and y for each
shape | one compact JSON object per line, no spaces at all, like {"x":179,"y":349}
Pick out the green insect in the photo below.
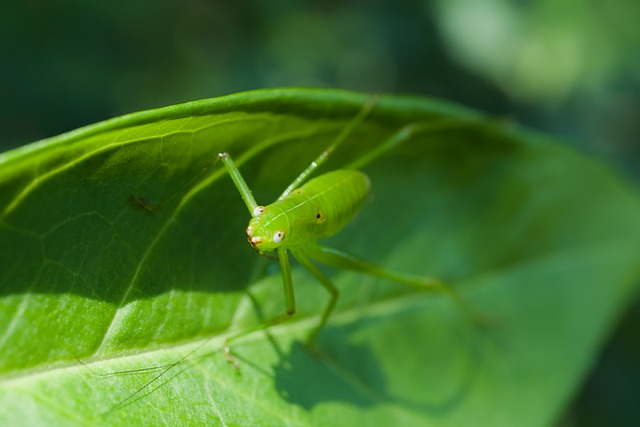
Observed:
{"x":307,"y":211}
{"x":313,"y":209}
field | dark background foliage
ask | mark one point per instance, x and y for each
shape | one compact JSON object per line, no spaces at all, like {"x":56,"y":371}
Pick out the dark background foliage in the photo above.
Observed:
{"x":567,"y":68}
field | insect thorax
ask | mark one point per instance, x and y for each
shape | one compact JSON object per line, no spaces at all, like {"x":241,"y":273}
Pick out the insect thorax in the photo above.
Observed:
{"x":324,"y":205}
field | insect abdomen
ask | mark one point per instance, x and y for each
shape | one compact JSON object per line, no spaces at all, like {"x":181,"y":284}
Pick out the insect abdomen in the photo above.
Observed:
{"x":324,"y":205}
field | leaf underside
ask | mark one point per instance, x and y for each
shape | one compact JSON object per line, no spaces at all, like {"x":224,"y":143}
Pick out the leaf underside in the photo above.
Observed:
{"x":540,"y":239}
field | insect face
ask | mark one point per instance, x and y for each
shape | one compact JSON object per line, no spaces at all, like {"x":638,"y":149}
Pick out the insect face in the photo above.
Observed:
{"x":267,"y":229}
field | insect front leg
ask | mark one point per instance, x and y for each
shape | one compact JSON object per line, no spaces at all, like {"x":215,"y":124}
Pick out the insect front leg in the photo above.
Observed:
{"x":289,"y":302}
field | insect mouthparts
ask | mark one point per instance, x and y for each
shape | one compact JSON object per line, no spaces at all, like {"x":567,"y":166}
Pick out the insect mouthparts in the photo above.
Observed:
{"x":254,"y":241}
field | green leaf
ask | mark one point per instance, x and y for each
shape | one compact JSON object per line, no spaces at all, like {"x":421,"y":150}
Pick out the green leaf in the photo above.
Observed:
{"x":541,"y":239}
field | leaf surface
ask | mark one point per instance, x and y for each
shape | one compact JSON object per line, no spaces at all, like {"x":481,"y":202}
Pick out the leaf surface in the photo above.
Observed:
{"x":537,"y":237}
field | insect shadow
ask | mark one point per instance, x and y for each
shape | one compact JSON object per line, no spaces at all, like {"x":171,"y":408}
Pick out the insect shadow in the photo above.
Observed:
{"x":352,"y":373}
{"x":338,"y":367}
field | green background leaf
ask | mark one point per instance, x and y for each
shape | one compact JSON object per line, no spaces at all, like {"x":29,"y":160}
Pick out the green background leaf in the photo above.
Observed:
{"x":534,"y":235}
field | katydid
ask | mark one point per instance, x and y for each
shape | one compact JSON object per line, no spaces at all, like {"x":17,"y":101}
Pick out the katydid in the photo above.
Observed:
{"x":308,"y":211}
{"x":312,"y":209}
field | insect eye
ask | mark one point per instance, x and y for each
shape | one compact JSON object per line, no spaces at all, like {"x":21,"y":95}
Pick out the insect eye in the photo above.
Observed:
{"x":278,"y":236}
{"x":259,"y":210}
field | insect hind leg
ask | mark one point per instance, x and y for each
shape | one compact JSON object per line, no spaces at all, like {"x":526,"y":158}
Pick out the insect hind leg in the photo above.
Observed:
{"x":343,"y":260}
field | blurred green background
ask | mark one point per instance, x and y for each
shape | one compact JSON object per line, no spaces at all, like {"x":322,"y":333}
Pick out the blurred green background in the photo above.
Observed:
{"x":569,"y":68}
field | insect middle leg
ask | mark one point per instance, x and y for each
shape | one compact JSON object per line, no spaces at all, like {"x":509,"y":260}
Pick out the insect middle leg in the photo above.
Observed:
{"x":324,"y":281}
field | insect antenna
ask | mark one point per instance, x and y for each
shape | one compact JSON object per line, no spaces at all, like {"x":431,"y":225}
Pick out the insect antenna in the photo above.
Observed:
{"x":146,"y":389}
{"x":342,"y":136}
{"x":166,"y":372}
